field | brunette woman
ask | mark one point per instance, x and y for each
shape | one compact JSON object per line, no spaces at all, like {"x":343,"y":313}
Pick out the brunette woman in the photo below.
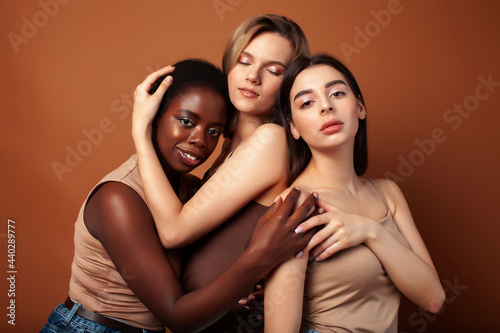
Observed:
{"x":251,"y":171}
{"x":371,"y":250}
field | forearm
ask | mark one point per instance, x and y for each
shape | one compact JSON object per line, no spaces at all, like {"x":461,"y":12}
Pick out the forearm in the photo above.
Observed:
{"x":162,"y":200}
{"x":204,"y":306}
{"x":412,"y":275}
{"x":284,"y":295}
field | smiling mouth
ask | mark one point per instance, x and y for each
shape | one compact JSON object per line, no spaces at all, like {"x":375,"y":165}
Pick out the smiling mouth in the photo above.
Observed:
{"x":189,"y":158}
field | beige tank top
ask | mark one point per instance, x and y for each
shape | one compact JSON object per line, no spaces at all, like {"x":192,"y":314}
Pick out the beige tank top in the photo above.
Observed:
{"x":351,"y":291}
{"x":95,"y":282}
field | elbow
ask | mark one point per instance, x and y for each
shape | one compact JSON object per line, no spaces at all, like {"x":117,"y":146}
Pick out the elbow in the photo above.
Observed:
{"x":436,"y":302}
{"x":171,"y":239}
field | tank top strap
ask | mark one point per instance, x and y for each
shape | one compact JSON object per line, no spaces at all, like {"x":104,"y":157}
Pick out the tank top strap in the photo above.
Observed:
{"x":380,"y":193}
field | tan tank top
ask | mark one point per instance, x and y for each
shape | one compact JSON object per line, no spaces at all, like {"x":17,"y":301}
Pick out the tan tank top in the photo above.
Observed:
{"x":351,"y":291}
{"x":95,"y":282}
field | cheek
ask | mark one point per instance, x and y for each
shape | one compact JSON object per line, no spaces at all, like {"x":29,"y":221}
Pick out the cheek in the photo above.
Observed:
{"x":271,"y":88}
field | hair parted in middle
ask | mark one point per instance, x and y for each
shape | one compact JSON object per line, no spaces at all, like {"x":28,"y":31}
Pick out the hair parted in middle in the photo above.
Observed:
{"x":251,"y":28}
{"x":298,"y":150}
{"x":257,"y":25}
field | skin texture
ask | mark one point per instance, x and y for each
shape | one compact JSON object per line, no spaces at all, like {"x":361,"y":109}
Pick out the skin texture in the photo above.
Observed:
{"x":255,"y":79}
{"x":185,"y":139}
{"x":347,"y":223}
{"x":259,"y":161}
{"x":118,"y":217}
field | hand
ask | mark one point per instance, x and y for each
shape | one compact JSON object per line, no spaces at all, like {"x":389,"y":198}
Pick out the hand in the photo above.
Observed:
{"x":274,"y":237}
{"x":254,"y":303}
{"x":145,"y":104}
{"x":341,"y":230}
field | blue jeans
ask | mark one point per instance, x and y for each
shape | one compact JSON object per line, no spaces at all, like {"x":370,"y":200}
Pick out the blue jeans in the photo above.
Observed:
{"x":62,"y":320}
{"x":310,"y":330}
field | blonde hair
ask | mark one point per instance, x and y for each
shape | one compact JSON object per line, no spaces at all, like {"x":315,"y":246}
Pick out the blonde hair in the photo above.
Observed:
{"x":256,"y":25}
{"x":250,"y":29}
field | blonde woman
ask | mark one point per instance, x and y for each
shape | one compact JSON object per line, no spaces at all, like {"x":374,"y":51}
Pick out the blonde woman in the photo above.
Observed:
{"x":251,"y":171}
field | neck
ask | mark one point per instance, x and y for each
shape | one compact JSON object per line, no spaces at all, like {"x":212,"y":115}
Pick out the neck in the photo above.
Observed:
{"x":334,"y":169}
{"x":247,"y":124}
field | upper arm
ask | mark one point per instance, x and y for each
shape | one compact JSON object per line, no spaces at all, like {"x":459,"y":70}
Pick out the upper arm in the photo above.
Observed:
{"x":118,"y":217}
{"x":403,"y":219}
{"x":259,"y":163}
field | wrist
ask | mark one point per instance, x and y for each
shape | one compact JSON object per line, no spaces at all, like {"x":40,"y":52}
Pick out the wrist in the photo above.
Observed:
{"x":373,"y":234}
{"x":141,"y":134}
{"x":252,"y":258}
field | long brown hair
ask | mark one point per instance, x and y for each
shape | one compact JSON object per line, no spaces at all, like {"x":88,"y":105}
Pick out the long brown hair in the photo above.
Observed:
{"x":298,"y":150}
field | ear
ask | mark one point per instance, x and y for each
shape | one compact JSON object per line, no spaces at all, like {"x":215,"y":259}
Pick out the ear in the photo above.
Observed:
{"x":361,"y":109}
{"x":293,"y":129}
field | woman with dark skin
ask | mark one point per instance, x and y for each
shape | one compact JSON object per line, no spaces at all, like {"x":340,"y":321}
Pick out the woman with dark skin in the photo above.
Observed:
{"x":250,"y":172}
{"x":121,"y":274}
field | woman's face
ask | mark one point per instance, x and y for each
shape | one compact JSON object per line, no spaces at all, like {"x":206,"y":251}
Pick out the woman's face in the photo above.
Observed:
{"x":254,"y":80}
{"x":325,"y":111}
{"x":189,"y":130}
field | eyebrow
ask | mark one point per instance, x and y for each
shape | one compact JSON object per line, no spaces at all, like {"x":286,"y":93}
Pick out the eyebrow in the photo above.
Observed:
{"x":273,"y":62}
{"x":328,"y":85}
{"x":197,"y":116}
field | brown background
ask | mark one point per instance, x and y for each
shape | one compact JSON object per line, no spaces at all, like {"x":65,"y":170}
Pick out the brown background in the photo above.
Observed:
{"x":68,"y":71}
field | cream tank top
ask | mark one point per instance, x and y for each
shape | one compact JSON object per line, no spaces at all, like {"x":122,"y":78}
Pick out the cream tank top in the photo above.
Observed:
{"x":351,"y":291}
{"x":95,"y":282}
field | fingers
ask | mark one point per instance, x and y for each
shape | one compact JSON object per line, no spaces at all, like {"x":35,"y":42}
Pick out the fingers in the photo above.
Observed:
{"x":304,"y":210}
{"x":325,"y":253}
{"x":271,"y":210}
{"x":290,"y":201}
{"x":312,"y":222}
{"x":152,"y":78}
{"x":326,"y":206}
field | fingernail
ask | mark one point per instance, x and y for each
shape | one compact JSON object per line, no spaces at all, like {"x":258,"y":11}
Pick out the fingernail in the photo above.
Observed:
{"x":298,"y":230}
{"x":260,"y":317}
{"x":321,"y":210}
{"x":242,"y":301}
{"x":276,"y":198}
{"x":169,"y":79}
{"x":299,"y":254}
{"x":317,"y":259}
{"x":316,"y":195}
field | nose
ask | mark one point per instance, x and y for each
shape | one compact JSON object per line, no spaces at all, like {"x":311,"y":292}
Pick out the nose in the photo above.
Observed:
{"x":253,"y":76}
{"x":326,"y":106}
{"x":198,"y":138}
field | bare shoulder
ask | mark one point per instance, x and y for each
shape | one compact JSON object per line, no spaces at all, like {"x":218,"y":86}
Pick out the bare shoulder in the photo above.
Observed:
{"x":269,"y":133}
{"x":268,"y":142}
{"x":391,"y":191}
{"x":389,"y":187}
{"x":114,"y":206}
